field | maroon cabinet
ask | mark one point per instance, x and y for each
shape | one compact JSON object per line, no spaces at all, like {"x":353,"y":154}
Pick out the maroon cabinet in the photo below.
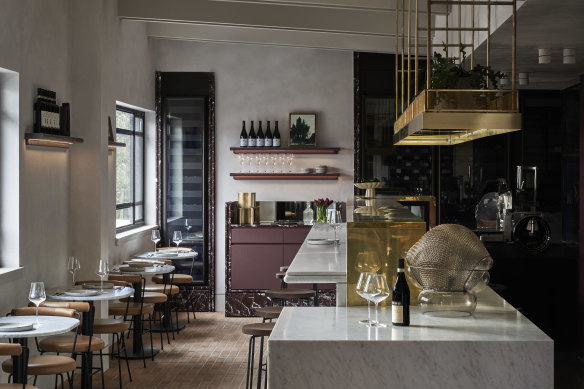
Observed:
{"x":254,"y":266}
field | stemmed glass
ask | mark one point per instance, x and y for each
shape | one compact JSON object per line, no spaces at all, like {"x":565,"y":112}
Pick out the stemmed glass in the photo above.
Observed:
{"x":359,"y":289}
{"x":102,"y":271}
{"x":377,"y":289}
{"x":36,"y":296}
{"x":187,"y":227}
{"x":155,"y":238}
{"x":177,"y":238}
{"x":335,"y":221}
{"x":73,"y":267}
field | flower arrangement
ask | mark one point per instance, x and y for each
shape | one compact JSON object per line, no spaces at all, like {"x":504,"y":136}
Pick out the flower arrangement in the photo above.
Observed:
{"x":321,"y":206}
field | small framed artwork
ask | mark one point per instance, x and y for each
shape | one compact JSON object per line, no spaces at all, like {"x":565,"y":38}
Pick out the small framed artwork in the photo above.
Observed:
{"x":302,"y":130}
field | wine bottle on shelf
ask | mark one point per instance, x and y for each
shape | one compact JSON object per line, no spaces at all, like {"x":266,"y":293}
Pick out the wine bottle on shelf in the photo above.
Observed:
{"x":261,"y":137}
{"x":276,"y":141}
{"x":400,"y":298}
{"x":251,"y":140}
{"x":243,"y":136}
{"x":269,"y":136}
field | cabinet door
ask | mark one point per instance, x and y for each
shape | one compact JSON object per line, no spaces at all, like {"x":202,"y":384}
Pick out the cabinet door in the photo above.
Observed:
{"x":249,"y":235}
{"x":254,"y":266}
{"x":296,"y":234}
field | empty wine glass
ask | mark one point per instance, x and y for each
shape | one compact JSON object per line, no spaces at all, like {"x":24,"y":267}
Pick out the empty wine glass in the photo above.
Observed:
{"x":335,"y":222}
{"x":73,"y":267}
{"x":177,"y":238}
{"x":241,"y":159}
{"x":187,"y":227}
{"x":155,"y":238}
{"x":367,"y":261}
{"x":377,"y":289}
{"x":359,"y":289}
{"x":36,"y":296}
{"x":102,"y":271}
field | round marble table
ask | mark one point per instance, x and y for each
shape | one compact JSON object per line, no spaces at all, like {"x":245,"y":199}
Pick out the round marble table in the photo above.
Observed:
{"x":167,"y":254}
{"x":49,"y":325}
{"x":87,"y":324}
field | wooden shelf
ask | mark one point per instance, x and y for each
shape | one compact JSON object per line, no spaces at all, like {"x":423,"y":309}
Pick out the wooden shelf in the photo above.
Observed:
{"x":285,"y":176}
{"x":289,"y":150}
{"x":111,"y":146}
{"x":50,"y":140}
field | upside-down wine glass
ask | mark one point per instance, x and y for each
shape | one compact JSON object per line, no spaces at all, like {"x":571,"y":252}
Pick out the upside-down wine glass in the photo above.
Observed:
{"x":73,"y":267}
{"x":102,"y":271}
{"x":177,"y":239}
{"x":377,"y":289}
{"x":36,"y":296}
{"x":155,"y":238}
{"x":359,"y":289}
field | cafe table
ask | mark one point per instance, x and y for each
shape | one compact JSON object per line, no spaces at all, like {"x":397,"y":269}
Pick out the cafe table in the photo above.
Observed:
{"x":137,"y":346}
{"x":115,"y":293}
{"x":48,"y":325}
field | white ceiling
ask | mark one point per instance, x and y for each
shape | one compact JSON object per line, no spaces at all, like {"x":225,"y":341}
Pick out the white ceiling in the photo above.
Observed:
{"x":363,"y":25}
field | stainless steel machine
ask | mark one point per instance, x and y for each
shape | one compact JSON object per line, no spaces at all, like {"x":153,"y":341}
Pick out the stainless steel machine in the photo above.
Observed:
{"x":499,"y":220}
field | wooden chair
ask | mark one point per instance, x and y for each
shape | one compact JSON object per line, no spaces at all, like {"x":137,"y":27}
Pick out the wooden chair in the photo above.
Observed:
{"x":13,"y":350}
{"x":47,"y":364}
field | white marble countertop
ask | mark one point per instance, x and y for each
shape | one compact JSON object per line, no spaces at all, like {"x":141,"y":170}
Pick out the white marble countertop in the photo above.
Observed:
{"x":108,"y":294}
{"x":494,"y":319}
{"x":49,"y":325}
{"x":145,"y":271}
{"x":320,"y":263}
{"x":167,"y":254}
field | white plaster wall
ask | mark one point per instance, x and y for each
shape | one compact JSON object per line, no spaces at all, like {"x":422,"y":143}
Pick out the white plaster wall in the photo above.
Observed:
{"x":267,"y":83}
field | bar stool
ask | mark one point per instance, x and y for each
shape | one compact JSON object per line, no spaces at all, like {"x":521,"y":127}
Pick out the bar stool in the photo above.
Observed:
{"x":268,"y":313}
{"x":177,"y":279}
{"x":257,"y":330}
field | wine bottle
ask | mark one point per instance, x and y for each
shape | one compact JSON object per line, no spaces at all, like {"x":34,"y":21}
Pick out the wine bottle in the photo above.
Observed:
{"x":400,"y":298}
{"x":243,"y":136}
{"x":276,"y":141}
{"x":251,"y":140}
{"x":261,"y":138}
{"x":269,"y":136}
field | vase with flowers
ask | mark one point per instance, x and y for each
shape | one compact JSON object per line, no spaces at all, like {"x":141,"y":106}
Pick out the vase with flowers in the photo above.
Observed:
{"x":321,"y":206}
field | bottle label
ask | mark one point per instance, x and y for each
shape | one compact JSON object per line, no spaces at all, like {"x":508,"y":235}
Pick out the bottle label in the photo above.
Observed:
{"x":251,"y":142}
{"x":397,"y":313}
{"x":243,"y":142}
{"x":260,"y":142}
{"x":268,"y":142}
{"x":276,"y":142}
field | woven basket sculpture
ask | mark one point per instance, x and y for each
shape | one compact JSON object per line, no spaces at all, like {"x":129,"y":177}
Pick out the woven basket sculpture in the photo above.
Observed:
{"x":451,"y":264}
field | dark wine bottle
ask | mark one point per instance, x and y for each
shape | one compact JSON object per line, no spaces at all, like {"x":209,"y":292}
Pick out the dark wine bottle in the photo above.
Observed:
{"x":251,"y":140}
{"x":243,"y":136}
{"x":276,"y":141}
{"x":261,"y":137}
{"x":269,"y":136}
{"x":400,"y":298}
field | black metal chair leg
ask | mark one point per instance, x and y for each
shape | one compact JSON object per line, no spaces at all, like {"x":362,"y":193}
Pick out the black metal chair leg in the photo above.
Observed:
{"x":151,"y":342}
{"x":126,"y":355}
{"x":261,"y":362}
{"x":101,"y":365}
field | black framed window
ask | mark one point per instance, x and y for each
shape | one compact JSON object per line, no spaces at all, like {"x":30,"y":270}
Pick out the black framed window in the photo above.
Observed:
{"x":129,"y":169}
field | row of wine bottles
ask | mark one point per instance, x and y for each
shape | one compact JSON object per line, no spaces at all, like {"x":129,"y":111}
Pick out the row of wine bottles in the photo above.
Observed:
{"x":260,"y":139}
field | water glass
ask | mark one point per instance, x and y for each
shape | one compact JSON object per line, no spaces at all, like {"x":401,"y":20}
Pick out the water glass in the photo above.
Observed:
{"x":335,"y":222}
{"x":155,"y":238}
{"x":102,"y":271}
{"x":73,"y":267}
{"x":177,"y":239}
{"x":36,"y":296}
{"x":377,"y":289}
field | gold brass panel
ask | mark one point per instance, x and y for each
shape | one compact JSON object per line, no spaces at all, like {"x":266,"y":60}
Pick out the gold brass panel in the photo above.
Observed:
{"x":249,"y":215}
{"x":246,"y":199}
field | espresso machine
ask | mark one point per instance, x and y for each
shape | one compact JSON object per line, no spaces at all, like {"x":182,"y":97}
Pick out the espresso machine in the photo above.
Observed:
{"x":498,"y":219}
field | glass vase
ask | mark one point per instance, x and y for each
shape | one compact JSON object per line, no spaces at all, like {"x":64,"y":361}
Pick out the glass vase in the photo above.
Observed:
{"x":321,"y":214}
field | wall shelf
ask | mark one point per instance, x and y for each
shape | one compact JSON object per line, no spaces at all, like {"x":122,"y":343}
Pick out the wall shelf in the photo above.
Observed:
{"x":111,"y":146}
{"x":289,"y":150}
{"x":50,"y":140}
{"x":285,"y":176}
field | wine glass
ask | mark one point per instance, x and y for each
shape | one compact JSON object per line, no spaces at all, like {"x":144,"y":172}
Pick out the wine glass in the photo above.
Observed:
{"x":177,"y":238}
{"x":367,"y":261}
{"x":377,"y":289}
{"x":359,"y":289}
{"x":187,"y":227}
{"x":73,"y":267}
{"x":102,"y":271}
{"x":155,"y":238}
{"x":241,"y":159}
{"x":335,"y":221}
{"x":36,"y":296}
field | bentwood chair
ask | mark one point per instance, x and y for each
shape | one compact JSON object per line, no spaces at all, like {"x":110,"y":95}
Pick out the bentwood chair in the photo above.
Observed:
{"x":56,"y":365}
{"x":13,"y":350}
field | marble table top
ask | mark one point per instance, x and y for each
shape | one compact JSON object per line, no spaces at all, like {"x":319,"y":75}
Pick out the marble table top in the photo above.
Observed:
{"x":49,"y":325}
{"x":167,"y":254}
{"x":493,"y":320}
{"x":320,"y":263}
{"x":147,"y":270}
{"x":108,"y":294}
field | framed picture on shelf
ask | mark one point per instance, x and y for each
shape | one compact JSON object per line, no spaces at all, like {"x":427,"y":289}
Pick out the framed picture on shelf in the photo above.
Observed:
{"x":302,"y":130}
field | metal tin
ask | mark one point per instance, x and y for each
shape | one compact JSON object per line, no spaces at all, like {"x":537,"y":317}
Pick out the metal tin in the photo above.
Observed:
{"x":246,"y":199}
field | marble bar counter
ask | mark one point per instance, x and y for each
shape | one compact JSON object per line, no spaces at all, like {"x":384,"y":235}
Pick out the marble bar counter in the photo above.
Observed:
{"x":327,"y":347}
{"x":322,"y":264}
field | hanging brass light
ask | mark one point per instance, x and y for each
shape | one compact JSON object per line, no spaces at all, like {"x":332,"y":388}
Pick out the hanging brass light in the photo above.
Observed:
{"x":449,"y":116}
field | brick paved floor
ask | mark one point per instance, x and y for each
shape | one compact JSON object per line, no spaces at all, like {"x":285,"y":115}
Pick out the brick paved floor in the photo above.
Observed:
{"x":210,"y":352}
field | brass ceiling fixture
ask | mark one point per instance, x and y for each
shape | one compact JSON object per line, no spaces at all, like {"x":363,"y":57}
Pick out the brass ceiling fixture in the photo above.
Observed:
{"x":450,"y":116}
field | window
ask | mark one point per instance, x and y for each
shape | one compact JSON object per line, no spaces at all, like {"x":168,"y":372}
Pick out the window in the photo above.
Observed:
{"x":129,"y":169}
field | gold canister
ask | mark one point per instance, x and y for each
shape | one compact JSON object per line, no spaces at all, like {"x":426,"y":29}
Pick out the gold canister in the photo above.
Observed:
{"x":246,"y":199}
{"x":249,"y":215}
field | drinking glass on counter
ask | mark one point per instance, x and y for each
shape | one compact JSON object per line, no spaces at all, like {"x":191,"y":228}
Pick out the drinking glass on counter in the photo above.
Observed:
{"x":377,"y":289}
{"x":73,"y":267}
{"x":359,"y":289}
{"x":177,"y":239}
{"x":155,"y":237}
{"x":335,"y":221}
{"x":102,"y":271}
{"x":36,"y":296}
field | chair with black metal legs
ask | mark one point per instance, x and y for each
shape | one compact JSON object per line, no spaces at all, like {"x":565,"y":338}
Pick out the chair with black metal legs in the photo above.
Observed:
{"x":257,"y":330}
{"x":15,"y":350}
